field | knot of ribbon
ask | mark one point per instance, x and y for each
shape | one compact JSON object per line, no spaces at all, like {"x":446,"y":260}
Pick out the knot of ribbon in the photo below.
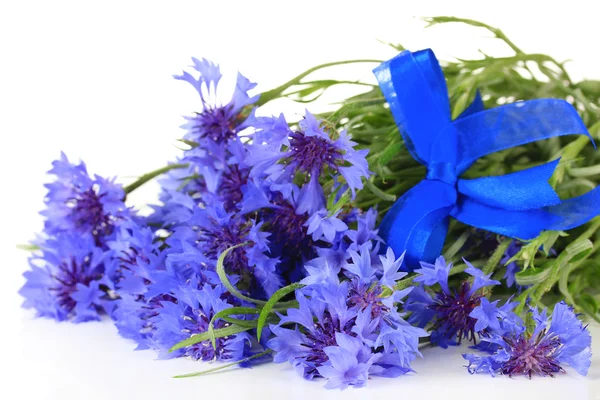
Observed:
{"x":519,"y":205}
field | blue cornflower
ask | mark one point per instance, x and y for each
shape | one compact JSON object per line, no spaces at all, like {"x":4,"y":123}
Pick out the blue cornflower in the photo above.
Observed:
{"x":139,"y":258}
{"x":517,"y":350}
{"x":349,"y":363}
{"x":68,"y":280}
{"x":280,"y":154}
{"x":346,"y":331}
{"x":188,"y":312}
{"x":216,"y":124}
{"x":448,"y":311}
{"x":78,"y":203}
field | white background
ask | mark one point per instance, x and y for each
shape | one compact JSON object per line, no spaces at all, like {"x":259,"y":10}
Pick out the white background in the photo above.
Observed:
{"x":94,"y":79}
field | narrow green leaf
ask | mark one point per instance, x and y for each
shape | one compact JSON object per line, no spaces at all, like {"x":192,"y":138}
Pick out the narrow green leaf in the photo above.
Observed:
{"x":225,"y":366}
{"x":28,"y":247}
{"x":563,"y":280}
{"x":577,"y":250}
{"x":456,"y":246}
{"x":379,"y":193}
{"x":190,"y":143}
{"x":278,"y":91}
{"x":250,"y":323}
{"x":494,"y":260}
{"x":225,"y":280}
{"x":532,"y":276}
{"x":390,"y":152}
{"x":461,"y":104}
{"x":201,"y":337}
{"x":588,"y":304}
{"x":225,"y":313}
{"x":268,"y":308}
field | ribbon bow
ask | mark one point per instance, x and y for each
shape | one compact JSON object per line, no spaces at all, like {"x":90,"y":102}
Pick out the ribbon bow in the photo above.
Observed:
{"x":518,"y":205}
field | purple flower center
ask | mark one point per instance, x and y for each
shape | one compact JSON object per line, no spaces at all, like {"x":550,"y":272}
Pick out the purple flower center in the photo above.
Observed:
{"x":532,"y":356}
{"x":322,"y":335}
{"x":88,"y":213}
{"x":452,"y":313}
{"x":216,"y":241}
{"x":312,"y":153}
{"x":69,"y":274}
{"x":362,"y":297}
{"x":288,"y":229}
{"x":215,"y":123}
{"x":231,"y":186}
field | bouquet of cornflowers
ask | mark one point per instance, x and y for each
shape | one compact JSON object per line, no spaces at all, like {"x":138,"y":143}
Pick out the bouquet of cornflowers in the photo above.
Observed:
{"x":430,"y":209}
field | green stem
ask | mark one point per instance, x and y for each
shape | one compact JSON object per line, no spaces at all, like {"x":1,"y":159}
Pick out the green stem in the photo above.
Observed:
{"x":151,"y":175}
{"x":494,"y":260}
{"x":278,"y":91}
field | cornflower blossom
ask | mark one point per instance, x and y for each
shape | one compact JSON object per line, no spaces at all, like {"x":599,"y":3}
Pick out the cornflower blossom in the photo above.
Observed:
{"x":447,"y":310}
{"x":78,"y":203}
{"x":69,"y":280}
{"x":539,"y":350}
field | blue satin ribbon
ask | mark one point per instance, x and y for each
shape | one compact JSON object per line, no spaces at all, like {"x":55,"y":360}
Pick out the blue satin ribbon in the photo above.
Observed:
{"x":519,"y":205}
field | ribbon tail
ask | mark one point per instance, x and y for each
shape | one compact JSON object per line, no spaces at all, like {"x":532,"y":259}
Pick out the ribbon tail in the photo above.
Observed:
{"x":574,"y":212}
{"x":417,"y":223}
{"x":516,"y":224}
{"x":524,"y":190}
{"x":513,"y":125}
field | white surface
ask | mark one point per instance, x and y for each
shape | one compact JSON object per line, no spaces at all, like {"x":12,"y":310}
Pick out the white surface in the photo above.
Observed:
{"x":94,"y":79}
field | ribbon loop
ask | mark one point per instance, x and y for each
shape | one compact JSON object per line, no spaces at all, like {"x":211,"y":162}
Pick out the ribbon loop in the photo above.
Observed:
{"x":520,"y":205}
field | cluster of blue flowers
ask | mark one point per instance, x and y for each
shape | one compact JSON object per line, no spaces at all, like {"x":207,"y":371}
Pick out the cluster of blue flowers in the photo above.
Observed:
{"x":351,"y":329}
{"x":281,"y":195}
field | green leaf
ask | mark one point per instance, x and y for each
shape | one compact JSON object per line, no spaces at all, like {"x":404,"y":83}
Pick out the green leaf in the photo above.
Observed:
{"x":225,"y":366}
{"x":379,"y":193}
{"x":588,"y":304}
{"x":190,"y":143}
{"x":494,"y":260}
{"x":278,"y":91}
{"x":532,"y":276}
{"x":225,"y":313}
{"x":201,"y":337}
{"x":389,"y":153}
{"x":344,"y":199}
{"x":331,"y":198}
{"x":530,"y":249}
{"x":250,"y":324}
{"x":456,"y":246}
{"x":462,"y":103}
{"x":28,"y":247}
{"x":577,"y":250}
{"x":225,"y":280}
{"x":268,"y":308}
